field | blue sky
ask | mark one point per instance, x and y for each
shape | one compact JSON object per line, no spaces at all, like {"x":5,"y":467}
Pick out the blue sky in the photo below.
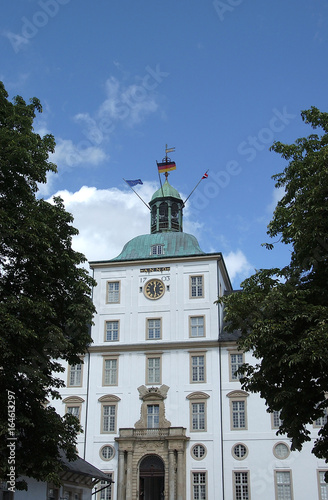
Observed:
{"x":217,"y":80}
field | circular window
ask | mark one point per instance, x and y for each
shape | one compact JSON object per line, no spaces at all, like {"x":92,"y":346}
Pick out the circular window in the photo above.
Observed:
{"x":107,"y":452}
{"x":281,"y":451}
{"x":198,"y":451}
{"x":239,"y":451}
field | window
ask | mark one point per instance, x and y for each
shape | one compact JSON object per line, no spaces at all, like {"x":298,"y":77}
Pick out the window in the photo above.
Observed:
{"x":110,"y":371}
{"x":197,"y":363}
{"x":105,"y":494}
{"x":238,"y":414}
{"x":73,"y":410}
{"x":107,"y":452}
{"x":323,"y":486}
{"x":152,"y":416}
{"x":198,"y":416}
{"x":236,"y":360}
{"x":154,"y":330}
{"x":241,"y":488}
{"x":73,"y":406}
{"x":157,"y":250}
{"x":276,"y":420}
{"x":198,"y":451}
{"x":153,"y":370}
{"x":199,"y":486}
{"x":239,"y":451}
{"x":283,"y":485}
{"x":108,"y":418}
{"x":281,"y":451}
{"x":108,"y":413}
{"x":197,"y":326}
{"x":196,"y":287}
{"x":113,"y":292}
{"x":75,"y":375}
{"x":320,"y":422}
{"x":111,"y":331}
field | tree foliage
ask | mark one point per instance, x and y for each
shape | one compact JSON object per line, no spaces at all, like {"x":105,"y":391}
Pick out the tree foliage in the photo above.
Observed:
{"x":282,"y":313}
{"x":45,"y":304}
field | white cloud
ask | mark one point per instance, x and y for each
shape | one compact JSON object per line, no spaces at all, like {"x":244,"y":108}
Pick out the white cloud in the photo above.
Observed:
{"x":277,"y":195}
{"x":107,"y":218}
{"x":69,"y":154}
{"x":238,"y":266}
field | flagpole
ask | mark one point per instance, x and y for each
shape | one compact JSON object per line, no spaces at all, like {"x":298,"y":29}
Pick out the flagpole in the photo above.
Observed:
{"x":195,"y":187}
{"x":137,"y":194}
{"x":160,"y":181}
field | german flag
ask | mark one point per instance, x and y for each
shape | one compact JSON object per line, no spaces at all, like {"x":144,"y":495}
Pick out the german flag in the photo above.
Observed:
{"x":166,"y":167}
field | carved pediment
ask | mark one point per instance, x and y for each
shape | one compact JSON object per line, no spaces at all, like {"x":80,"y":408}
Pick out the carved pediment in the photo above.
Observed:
{"x":238,"y":394}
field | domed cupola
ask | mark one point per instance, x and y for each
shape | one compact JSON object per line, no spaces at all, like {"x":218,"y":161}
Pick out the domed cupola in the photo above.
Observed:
{"x":166,"y":210}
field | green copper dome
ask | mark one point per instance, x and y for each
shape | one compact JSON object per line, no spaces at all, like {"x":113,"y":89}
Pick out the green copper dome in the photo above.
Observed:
{"x":172,"y":244}
{"x":166,"y":191}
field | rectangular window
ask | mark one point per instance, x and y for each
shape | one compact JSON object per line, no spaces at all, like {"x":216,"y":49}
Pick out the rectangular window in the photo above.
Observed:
{"x":320,"y":422}
{"x":157,"y":249}
{"x":198,"y":416}
{"x":113,"y":292}
{"x":74,"y":410}
{"x":75,"y":375}
{"x":238,"y":414}
{"x":154,"y":329}
{"x":110,"y":371}
{"x":153,"y":370}
{"x":108,"y":418}
{"x":197,"y":326}
{"x":196,"y":287}
{"x":241,"y":489}
{"x":199,"y":486}
{"x":111,"y":331}
{"x":152,"y":416}
{"x":236,"y":360}
{"x":283,"y":485}
{"x":323,"y":486}
{"x":276,"y":420}
{"x":197,"y":368}
{"x":105,"y":494}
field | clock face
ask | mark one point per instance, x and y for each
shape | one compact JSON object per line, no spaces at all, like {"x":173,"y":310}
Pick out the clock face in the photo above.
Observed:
{"x":154,"y":289}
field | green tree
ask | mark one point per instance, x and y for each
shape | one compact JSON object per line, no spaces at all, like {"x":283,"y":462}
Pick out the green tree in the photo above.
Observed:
{"x":282,"y":313}
{"x":45,"y":304}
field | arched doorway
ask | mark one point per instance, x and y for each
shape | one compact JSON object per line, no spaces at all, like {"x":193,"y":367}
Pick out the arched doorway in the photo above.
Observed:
{"x":151,"y":478}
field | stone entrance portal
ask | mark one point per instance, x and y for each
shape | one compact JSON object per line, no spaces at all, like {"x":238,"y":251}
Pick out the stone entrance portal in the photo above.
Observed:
{"x":151,"y":478}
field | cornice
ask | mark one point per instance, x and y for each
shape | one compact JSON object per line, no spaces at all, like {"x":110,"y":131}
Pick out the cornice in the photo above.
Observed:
{"x":155,"y":347}
{"x":161,"y":260}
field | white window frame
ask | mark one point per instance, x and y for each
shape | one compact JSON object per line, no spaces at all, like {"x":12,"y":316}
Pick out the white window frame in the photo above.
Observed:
{"x":197,"y":371}
{"x":236,"y":359}
{"x":153,"y":416}
{"x":196,"y":286}
{"x":287,"y":491}
{"x":238,"y":410}
{"x":112,"y":331}
{"x":152,"y":327}
{"x":275,"y":419}
{"x":113,"y":296}
{"x":241,"y":487}
{"x":235,"y":455}
{"x":199,"y":485}
{"x":322,"y":485}
{"x":106,"y":494}
{"x":110,"y":372}
{"x":153,"y":370}
{"x":199,"y":326}
{"x":73,"y":405}
{"x":74,"y":375}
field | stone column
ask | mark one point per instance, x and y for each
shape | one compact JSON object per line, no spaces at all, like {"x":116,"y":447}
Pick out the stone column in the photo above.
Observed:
{"x":171,"y":475}
{"x":180,"y":476}
{"x":121,"y":476}
{"x":129,"y":476}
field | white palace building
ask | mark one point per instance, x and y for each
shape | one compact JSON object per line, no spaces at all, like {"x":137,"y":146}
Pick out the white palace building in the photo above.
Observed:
{"x":163,"y":412}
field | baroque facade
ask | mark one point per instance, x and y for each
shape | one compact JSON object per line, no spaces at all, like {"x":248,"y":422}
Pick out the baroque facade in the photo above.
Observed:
{"x":157,"y":394}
